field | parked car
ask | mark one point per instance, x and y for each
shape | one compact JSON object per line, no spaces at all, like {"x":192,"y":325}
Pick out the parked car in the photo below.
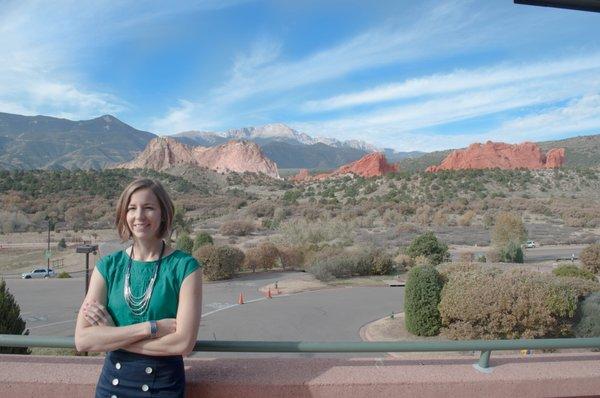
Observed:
{"x":38,"y":273}
{"x":530,"y":244}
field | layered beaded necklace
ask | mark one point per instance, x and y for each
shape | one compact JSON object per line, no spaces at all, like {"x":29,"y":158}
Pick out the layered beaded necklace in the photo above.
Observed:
{"x":139,"y":304}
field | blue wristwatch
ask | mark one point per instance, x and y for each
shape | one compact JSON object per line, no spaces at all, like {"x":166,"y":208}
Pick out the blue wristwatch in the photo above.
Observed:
{"x":153,"y":329}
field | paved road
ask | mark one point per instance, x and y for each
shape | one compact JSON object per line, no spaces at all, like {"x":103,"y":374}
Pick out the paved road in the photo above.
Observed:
{"x":49,"y":307}
{"x":538,"y":254}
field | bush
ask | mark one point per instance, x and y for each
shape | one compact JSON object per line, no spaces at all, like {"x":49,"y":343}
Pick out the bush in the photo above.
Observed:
{"x":467,"y":257}
{"x":382,"y":264}
{"x":573,"y":271}
{"x":262,"y":208}
{"x":508,"y":227}
{"x":588,"y":317}
{"x":184,"y":243}
{"x":62,"y":244}
{"x":590,"y":258}
{"x":64,"y":275}
{"x":404,"y":261}
{"x":511,"y":253}
{"x":10,"y":319}
{"x":265,"y":255}
{"x":482,"y":303}
{"x":331,"y":264}
{"x":428,"y":245}
{"x":237,"y":228}
{"x":220,"y":262}
{"x":421,"y":299}
{"x":291,"y":257}
{"x":202,"y":238}
{"x":466,"y":219}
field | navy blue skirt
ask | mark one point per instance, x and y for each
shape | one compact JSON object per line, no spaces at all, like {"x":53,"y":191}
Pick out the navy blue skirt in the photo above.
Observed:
{"x":126,"y":375}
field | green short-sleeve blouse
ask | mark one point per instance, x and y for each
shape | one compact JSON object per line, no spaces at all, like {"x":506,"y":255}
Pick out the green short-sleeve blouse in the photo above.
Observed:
{"x":174,"y":268}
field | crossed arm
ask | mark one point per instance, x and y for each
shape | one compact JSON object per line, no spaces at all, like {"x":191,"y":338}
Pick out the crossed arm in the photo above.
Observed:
{"x":95,"y":330}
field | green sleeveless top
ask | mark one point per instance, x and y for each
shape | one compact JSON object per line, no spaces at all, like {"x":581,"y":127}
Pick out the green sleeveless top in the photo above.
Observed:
{"x":174,"y":268}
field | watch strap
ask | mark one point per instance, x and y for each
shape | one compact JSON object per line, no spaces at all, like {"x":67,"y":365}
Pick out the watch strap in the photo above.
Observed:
{"x":153,"y":329}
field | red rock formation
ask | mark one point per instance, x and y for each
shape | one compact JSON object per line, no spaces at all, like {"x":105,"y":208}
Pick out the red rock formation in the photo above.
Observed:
{"x":371,"y":165}
{"x":555,"y":158}
{"x":503,"y":156}
{"x":302,"y":175}
{"x":238,"y":156}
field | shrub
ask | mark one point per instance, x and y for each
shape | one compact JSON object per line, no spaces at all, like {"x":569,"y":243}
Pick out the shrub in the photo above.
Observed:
{"x":62,"y":244}
{"x":262,"y":208}
{"x":508,"y":227}
{"x":421,"y":299}
{"x":291,"y":257}
{"x":573,"y":271}
{"x":467,"y":257}
{"x":466,"y":219}
{"x":590,"y":258}
{"x":482,"y":303}
{"x":440,"y":218}
{"x":185,"y":243}
{"x":202,"y":238}
{"x":64,"y":275}
{"x":588,"y":317}
{"x":331,"y":264}
{"x":511,"y":253}
{"x":428,"y":245}
{"x":382,"y":264}
{"x":220,"y":262}
{"x":264,"y":255}
{"x":404,"y":261}
{"x":237,"y":228}
{"x":10,"y":319}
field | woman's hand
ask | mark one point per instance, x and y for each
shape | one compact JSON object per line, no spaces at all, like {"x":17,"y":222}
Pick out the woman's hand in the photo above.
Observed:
{"x":166,"y":326}
{"x":96,"y":314}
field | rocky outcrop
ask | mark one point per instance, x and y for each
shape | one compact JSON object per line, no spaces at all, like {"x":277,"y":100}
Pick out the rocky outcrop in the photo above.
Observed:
{"x":239,"y":156}
{"x":371,"y":165}
{"x":501,"y":155}
{"x":555,"y":158}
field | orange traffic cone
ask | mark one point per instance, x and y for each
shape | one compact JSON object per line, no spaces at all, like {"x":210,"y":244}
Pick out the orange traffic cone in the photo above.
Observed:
{"x":269,"y":294}
{"x":241,"y":298}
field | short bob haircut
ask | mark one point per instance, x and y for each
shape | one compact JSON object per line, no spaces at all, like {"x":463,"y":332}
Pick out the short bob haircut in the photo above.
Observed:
{"x":166,"y":207}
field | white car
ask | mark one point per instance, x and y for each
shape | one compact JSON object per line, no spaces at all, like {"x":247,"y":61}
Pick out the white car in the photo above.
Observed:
{"x":530,"y":244}
{"x":38,"y":273}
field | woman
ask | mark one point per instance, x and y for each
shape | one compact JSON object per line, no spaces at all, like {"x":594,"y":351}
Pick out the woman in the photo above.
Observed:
{"x":144,"y":303}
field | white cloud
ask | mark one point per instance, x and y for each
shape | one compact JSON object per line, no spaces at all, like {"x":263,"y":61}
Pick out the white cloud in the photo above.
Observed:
{"x":460,"y":80}
{"x":398,"y":125}
{"x":44,"y":43}
{"x":580,"y":114}
{"x":437,"y":30}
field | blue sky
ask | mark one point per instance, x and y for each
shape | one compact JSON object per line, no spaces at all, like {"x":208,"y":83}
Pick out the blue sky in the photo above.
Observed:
{"x":408,"y":75}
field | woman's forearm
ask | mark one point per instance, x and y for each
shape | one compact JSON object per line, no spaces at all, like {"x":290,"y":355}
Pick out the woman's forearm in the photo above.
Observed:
{"x":109,"y":338}
{"x":171,"y":344}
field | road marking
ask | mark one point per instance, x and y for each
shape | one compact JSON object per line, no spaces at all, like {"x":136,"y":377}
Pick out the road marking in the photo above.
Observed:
{"x":51,"y":324}
{"x":231,"y":306}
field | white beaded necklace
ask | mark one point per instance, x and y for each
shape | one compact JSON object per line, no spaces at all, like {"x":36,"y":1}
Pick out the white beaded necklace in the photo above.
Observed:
{"x":139,"y":304}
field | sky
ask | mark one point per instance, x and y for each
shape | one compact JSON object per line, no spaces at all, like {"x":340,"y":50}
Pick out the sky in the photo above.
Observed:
{"x":407,"y":75}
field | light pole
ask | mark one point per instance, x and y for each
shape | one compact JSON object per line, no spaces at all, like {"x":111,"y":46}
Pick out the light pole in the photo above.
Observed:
{"x":50,"y":228}
{"x":87,"y":249}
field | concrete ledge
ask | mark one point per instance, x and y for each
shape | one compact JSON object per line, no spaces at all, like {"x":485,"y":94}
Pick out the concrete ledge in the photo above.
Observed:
{"x":548,"y":375}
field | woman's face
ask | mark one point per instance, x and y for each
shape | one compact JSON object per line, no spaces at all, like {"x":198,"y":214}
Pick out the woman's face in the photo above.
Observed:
{"x":143,"y":215}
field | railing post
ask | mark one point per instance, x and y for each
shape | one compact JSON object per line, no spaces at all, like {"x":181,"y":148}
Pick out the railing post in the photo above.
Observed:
{"x":484,"y":362}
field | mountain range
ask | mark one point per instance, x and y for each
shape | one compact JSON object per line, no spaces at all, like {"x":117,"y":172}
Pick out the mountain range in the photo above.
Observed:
{"x":44,"y":142}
